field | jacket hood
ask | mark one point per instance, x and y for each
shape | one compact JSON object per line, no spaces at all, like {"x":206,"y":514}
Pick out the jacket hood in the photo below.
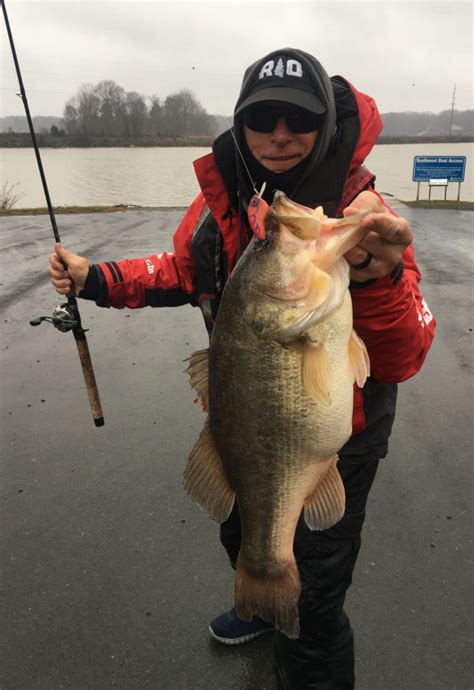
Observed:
{"x":290,"y":70}
{"x":368,"y":115}
{"x":351,"y":127}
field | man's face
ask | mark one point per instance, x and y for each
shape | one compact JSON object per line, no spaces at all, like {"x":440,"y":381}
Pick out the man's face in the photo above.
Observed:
{"x":279,"y":135}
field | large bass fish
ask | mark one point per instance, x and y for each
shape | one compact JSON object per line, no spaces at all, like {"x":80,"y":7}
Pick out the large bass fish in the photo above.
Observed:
{"x":277,"y":383}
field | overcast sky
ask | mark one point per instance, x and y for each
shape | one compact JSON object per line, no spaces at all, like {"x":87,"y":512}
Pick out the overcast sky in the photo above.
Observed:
{"x":407,"y":54}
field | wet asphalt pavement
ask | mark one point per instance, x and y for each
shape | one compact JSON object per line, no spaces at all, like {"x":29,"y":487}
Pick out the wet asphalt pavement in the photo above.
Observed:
{"x":110,"y":574}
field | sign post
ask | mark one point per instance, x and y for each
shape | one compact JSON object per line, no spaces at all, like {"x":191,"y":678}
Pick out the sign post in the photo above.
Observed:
{"x":438,"y":171}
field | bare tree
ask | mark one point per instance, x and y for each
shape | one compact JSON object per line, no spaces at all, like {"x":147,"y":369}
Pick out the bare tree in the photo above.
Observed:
{"x":88,"y":107}
{"x":8,"y":196}
{"x":112,"y":108}
{"x":70,"y":117}
{"x":82,"y":113}
{"x":155,"y":117}
{"x":183,"y":115}
{"x":108,"y":111}
{"x":137,"y":114}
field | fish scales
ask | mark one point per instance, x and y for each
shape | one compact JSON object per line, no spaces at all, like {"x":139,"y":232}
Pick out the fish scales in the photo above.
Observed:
{"x":266,"y":428}
{"x":280,"y":398}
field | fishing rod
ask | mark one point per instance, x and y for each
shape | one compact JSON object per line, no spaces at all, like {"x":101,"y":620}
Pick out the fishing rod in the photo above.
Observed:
{"x":66,"y":316}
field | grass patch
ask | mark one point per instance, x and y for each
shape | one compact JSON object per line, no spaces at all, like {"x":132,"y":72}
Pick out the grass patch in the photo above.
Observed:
{"x":442,"y":204}
{"x":61,"y":209}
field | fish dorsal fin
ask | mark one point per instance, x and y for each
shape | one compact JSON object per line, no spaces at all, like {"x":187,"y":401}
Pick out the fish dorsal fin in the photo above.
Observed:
{"x":326,"y":505}
{"x":316,"y":371}
{"x":198,"y":372}
{"x":205,"y":480}
{"x":359,"y":364}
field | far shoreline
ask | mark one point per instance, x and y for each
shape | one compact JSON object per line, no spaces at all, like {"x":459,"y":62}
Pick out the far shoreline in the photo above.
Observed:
{"x":12,"y":140}
{"x":120,"y":208}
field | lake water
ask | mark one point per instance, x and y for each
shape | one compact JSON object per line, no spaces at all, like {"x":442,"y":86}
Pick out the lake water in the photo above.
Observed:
{"x":165,"y":176}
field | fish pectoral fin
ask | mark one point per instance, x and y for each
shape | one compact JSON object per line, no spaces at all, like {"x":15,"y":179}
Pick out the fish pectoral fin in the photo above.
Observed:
{"x":359,"y":363}
{"x":198,"y":372}
{"x":327,"y":503}
{"x":205,"y":480}
{"x":316,"y":371}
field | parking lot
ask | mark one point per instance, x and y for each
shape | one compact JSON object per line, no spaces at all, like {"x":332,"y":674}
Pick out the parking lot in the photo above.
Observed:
{"x":110,"y":574}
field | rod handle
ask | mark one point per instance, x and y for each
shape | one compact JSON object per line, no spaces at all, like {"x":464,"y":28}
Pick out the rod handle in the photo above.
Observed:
{"x":89,"y":378}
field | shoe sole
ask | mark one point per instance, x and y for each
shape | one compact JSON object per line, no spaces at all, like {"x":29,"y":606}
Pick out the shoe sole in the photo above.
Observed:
{"x":238,"y":640}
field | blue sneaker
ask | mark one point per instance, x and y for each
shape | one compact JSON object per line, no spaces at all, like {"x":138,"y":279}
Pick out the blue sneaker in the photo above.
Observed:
{"x":229,"y":629}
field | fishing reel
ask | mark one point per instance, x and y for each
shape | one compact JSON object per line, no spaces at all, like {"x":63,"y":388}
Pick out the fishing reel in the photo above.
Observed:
{"x":63,"y":318}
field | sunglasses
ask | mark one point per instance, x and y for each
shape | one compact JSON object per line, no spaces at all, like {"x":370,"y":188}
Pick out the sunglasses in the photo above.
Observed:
{"x":264,"y":118}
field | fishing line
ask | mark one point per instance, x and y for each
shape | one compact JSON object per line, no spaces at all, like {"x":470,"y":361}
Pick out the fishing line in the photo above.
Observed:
{"x":254,"y":187}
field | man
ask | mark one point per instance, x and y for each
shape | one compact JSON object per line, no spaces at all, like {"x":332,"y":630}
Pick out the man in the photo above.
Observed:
{"x":298,"y":131}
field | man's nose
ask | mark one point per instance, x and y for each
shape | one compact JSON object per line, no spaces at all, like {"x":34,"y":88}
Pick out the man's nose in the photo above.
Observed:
{"x":281,"y":133}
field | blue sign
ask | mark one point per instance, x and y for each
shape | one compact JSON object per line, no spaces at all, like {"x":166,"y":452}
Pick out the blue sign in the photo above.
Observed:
{"x":450,"y":168}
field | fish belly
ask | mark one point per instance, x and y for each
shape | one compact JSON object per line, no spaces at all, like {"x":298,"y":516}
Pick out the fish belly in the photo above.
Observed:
{"x":276,"y":444}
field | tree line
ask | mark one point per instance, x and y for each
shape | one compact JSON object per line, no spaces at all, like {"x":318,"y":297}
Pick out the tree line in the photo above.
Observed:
{"x":107,"y":115}
{"x":445,"y":123}
{"x":106,"y":112}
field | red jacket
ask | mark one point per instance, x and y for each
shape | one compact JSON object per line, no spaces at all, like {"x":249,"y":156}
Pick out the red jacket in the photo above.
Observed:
{"x":390,"y":314}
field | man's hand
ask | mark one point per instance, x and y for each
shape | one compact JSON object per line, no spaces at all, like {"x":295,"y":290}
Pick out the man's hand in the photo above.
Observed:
{"x":386,"y":242}
{"x":71,"y":278}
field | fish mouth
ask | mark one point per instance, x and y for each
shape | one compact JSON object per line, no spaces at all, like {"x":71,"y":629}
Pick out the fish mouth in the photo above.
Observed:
{"x":304,"y":230}
{"x":302,"y":222}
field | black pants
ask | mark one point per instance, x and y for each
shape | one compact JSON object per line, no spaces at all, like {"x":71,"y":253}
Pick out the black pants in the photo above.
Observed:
{"x":322,"y":658}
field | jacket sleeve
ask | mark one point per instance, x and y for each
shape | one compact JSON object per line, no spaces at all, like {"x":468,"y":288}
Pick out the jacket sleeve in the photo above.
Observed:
{"x":161,"y":280}
{"x":394,"y":321}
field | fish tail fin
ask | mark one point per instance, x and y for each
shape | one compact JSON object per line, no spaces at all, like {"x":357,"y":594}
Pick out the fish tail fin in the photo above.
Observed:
{"x":272,"y":594}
